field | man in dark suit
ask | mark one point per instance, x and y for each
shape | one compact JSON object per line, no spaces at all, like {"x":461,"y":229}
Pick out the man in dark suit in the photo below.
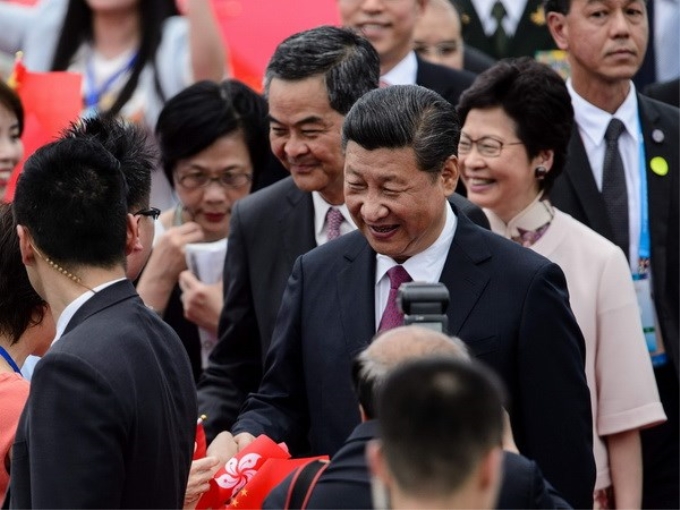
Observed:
{"x":531,"y":34}
{"x":603,"y":58}
{"x":345,"y":483}
{"x":389,"y":26}
{"x":509,"y":305}
{"x":111,"y":416}
{"x":667,"y":92}
{"x":311,"y":82}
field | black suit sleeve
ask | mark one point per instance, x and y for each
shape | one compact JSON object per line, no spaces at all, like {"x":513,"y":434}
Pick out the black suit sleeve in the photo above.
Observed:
{"x":279,"y":409}
{"x":235,"y":365}
{"x":552,"y":418}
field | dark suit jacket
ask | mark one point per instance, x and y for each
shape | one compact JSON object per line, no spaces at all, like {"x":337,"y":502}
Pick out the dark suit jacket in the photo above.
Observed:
{"x":448,"y":83}
{"x":476,"y":61}
{"x":346,"y":484}
{"x":269,"y":230}
{"x":576,"y":193}
{"x":110,"y":420}
{"x":667,"y":92}
{"x":529,"y":37}
{"x":508,"y":304}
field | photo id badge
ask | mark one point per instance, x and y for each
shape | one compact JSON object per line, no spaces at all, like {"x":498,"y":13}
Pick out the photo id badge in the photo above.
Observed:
{"x":643,"y":293}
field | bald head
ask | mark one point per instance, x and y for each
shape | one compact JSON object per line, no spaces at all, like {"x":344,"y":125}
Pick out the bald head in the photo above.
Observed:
{"x":391,"y":349}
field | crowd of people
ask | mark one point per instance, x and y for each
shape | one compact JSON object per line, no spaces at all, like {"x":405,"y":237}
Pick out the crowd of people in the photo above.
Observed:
{"x":191,"y":247}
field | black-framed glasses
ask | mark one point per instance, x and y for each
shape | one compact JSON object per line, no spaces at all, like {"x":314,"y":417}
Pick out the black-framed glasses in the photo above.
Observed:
{"x":486,"y":146}
{"x":228,"y":180}
{"x":151,"y":212}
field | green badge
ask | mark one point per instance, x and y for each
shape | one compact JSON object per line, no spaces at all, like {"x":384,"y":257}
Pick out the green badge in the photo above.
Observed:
{"x":659,"y":166}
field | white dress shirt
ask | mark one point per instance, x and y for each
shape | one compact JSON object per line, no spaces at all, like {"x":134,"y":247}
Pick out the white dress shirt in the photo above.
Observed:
{"x":404,"y":73}
{"x":513,"y":8}
{"x":320,"y":225}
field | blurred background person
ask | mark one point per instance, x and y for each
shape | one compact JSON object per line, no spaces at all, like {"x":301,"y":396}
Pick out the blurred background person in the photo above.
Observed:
{"x":516,"y":124}
{"x":440,"y":423}
{"x":505,"y":28}
{"x":11,"y":128}
{"x":26,"y":327}
{"x":132,"y":54}
{"x":214,"y":143}
{"x":437,"y":38}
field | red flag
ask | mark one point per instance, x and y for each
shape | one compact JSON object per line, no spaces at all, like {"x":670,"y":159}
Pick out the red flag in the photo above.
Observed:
{"x":51,"y":102}
{"x":200,"y":447}
{"x":239,"y":470}
{"x":272,"y":473}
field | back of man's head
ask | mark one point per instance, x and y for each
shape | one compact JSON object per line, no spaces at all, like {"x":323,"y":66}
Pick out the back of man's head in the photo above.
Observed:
{"x":349,"y":64}
{"x":405,"y":116}
{"x":71,"y":197}
{"x":441,"y":423}
{"x":127,"y":143}
{"x":393,"y":348}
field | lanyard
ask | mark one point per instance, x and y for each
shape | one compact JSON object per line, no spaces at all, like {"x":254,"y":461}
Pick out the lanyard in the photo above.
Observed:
{"x":644,"y":251}
{"x":92,"y":94}
{"x":9,"y":360}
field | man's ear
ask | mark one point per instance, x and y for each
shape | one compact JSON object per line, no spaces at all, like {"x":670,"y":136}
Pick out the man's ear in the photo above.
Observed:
{"x":558,"y":29}
{"x":132,"y":242}
{"x":26,"y":246}
{"x":450,"y":175}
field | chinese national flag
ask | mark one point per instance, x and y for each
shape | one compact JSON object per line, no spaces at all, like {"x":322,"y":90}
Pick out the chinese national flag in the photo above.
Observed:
{"x":51,"y":102}
{"x":200,"y":447}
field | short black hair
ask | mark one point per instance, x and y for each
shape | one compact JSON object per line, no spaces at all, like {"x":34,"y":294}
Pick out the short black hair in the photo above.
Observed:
{"x":10,"y":100}
{"x":537,"y":100}
{"x":405,"y":116}
{"x":205,"y":111}
{"x":71,"y":196}
{"x":20,"y":305}
{"x":348,"y":62}
{"x":437,"y":418}
{"x":561,"y":6}
{"x":127,"y":142}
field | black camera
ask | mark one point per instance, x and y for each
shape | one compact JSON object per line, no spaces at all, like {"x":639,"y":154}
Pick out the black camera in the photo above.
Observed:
{"x":424,"y":304}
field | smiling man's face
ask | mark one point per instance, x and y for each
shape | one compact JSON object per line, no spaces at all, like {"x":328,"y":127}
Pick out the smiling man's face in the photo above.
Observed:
{"x":387,"y":24}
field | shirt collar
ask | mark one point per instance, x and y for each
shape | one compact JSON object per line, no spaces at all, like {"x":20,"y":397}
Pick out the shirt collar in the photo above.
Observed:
{"x":404,"y":73}
{"x":534,"y":216}
{"x":593,"y":122}
{"x":420,"y":265}
{"x":321,"y":209}
{"x":75,"y":305}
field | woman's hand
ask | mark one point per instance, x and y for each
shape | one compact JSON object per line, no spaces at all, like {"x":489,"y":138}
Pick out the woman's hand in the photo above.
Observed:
{"x":166,"y":262}
{"x":202,"y":302}
{"x":200,"y":474}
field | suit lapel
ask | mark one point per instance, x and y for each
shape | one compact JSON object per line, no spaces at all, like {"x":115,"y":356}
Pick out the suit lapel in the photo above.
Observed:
{"x":296,"y":224}
{"x":356,"y":293}
{"x":462,"y":273}
{"x":580,"y":175}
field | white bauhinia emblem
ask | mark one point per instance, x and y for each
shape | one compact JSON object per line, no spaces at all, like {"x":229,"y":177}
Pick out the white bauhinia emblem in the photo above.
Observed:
{"x":238,"y":472}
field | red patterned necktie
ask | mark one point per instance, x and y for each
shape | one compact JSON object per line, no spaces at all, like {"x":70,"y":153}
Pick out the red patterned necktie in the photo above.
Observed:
{"x":334,"y":220}
{"x":392,"y":316}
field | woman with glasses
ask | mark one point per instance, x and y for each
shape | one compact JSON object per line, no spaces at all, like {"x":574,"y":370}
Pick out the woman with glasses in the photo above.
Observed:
{"x":516,"y":123}
{"x":214,"y":145}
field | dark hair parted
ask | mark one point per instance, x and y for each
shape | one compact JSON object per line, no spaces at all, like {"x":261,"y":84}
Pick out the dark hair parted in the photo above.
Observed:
{"x":128,"y":144}
{"x":77,"y":29}
{"x":437,"y":418}
{"x":537,"y":100}
{"x":405,"y":116}
{"x":20,"y":305}
{"x":205,"y":111}
{"x":348,"y":62}
{"x":71,"y":197}
{"x":10,"y":100}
